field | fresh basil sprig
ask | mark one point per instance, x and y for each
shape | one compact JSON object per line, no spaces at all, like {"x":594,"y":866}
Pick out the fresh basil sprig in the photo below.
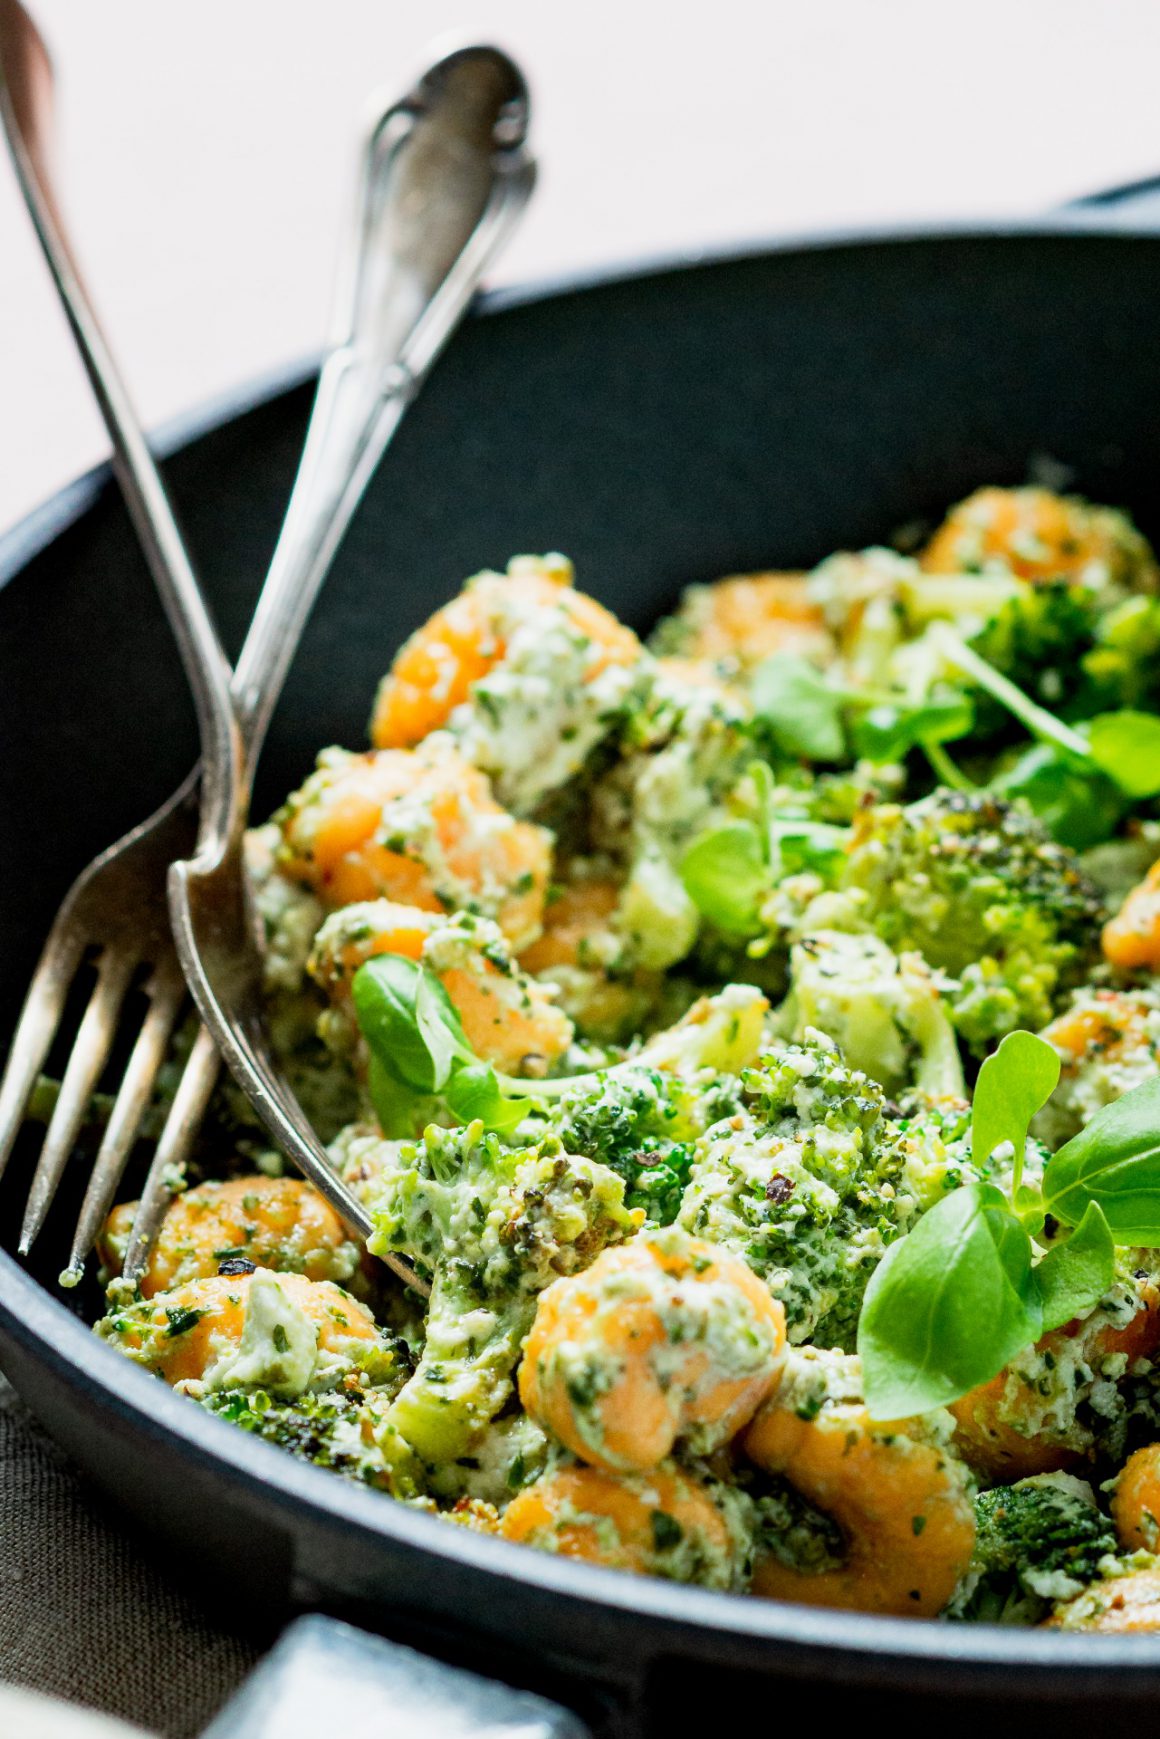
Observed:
{"x":948,"y":1305}
{"x":952,"y":1302}
{"x":1076,"y":1273}
{"x":419,"y":1051}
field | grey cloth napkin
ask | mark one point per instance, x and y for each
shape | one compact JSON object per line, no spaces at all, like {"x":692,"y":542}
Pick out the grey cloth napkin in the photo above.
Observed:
{"x":85,"y":1612}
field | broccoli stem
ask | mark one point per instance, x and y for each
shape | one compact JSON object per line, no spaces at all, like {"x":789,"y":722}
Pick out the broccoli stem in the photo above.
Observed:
{"x":1041,"y":724}
{"x":464,"y":1375}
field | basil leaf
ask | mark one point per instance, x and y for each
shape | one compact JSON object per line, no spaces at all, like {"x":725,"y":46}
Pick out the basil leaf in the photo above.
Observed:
{"x":1126,"y":745}
{"x":438,"y":1022}
{"x":1079,"y":805}
{"x":949,"y":1305}
{"x":802,"y":711}
{"x":385,"y":990}
{"x":888,"y":733}
{"x":397,"y":1106}
{"x":1014,"y":1083}
{"x":475,"y":1092}
{"x":1074,"y":1276}
{"x":726,"y":876}
{"x":408,"y":1021}
{"x":1114,"y":1162}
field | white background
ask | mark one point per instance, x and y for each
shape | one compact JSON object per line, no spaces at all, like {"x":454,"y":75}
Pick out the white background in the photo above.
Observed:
{"x":206,"y":144}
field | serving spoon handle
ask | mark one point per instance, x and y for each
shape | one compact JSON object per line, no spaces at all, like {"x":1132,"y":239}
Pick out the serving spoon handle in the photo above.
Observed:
{"x":445,"y":175}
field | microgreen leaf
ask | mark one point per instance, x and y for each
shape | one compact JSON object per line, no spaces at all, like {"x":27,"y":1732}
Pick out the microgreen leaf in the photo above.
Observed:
{"x":1079,"y":805}
{"x":948,"y":1306}
{"x":1126,"y":746}
{"x":1114,"y":1162}
{"x":726,"y":875}
{"x":800,"y":708}
{"x":1075,"y":1274}
{"x":1014,"y":1083}
{"x":888,"y":732}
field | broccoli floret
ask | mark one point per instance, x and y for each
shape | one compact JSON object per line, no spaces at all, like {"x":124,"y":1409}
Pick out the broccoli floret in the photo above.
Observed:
{"x":1036,"y":1542}
{"x":836,"y":798}
{"x":1122,"y":669}
{"x":491,"y":1227}
{"x":643,"y":1125}
{"x":925,"y":1152}
{"x":792,"y":1186}
{"x":980,"y":890}
{"x":1076,"y":652}
{"x":1038,"y":638}
{"x":884,"y":1012}
{"x":806,"y":1091}
{"x":681,"y":755}
{"x":642,"y":1117}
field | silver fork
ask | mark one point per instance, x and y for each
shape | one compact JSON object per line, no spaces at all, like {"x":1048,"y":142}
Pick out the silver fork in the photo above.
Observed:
{"x":388,"y":297}
{"x":115,"y":912}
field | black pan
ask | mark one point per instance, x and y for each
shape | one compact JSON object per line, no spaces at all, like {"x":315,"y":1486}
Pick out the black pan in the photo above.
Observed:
{"x":661,"y":426}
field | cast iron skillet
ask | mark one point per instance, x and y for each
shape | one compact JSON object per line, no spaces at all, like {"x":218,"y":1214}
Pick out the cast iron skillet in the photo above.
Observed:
{"x":660,"y":426}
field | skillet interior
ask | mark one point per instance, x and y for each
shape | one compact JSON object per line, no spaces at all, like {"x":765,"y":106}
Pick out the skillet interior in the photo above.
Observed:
{"x":659,"y":429}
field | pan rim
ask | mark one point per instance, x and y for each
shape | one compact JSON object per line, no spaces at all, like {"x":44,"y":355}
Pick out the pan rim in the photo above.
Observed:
{"x":869,"y":1644}
{"x":29,"y":535}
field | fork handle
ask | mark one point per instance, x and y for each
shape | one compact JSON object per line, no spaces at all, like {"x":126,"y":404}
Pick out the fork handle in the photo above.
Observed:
{"x":430,"y":214}
{"x":25,"y":96}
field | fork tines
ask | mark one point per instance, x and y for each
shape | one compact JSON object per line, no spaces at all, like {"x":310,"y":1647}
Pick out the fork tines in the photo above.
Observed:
{"x":113,"y":920}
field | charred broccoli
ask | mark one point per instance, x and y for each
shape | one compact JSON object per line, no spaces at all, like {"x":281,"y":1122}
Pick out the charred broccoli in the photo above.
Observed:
{"x":980,"y":890}
{"x":329,"y":1430}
